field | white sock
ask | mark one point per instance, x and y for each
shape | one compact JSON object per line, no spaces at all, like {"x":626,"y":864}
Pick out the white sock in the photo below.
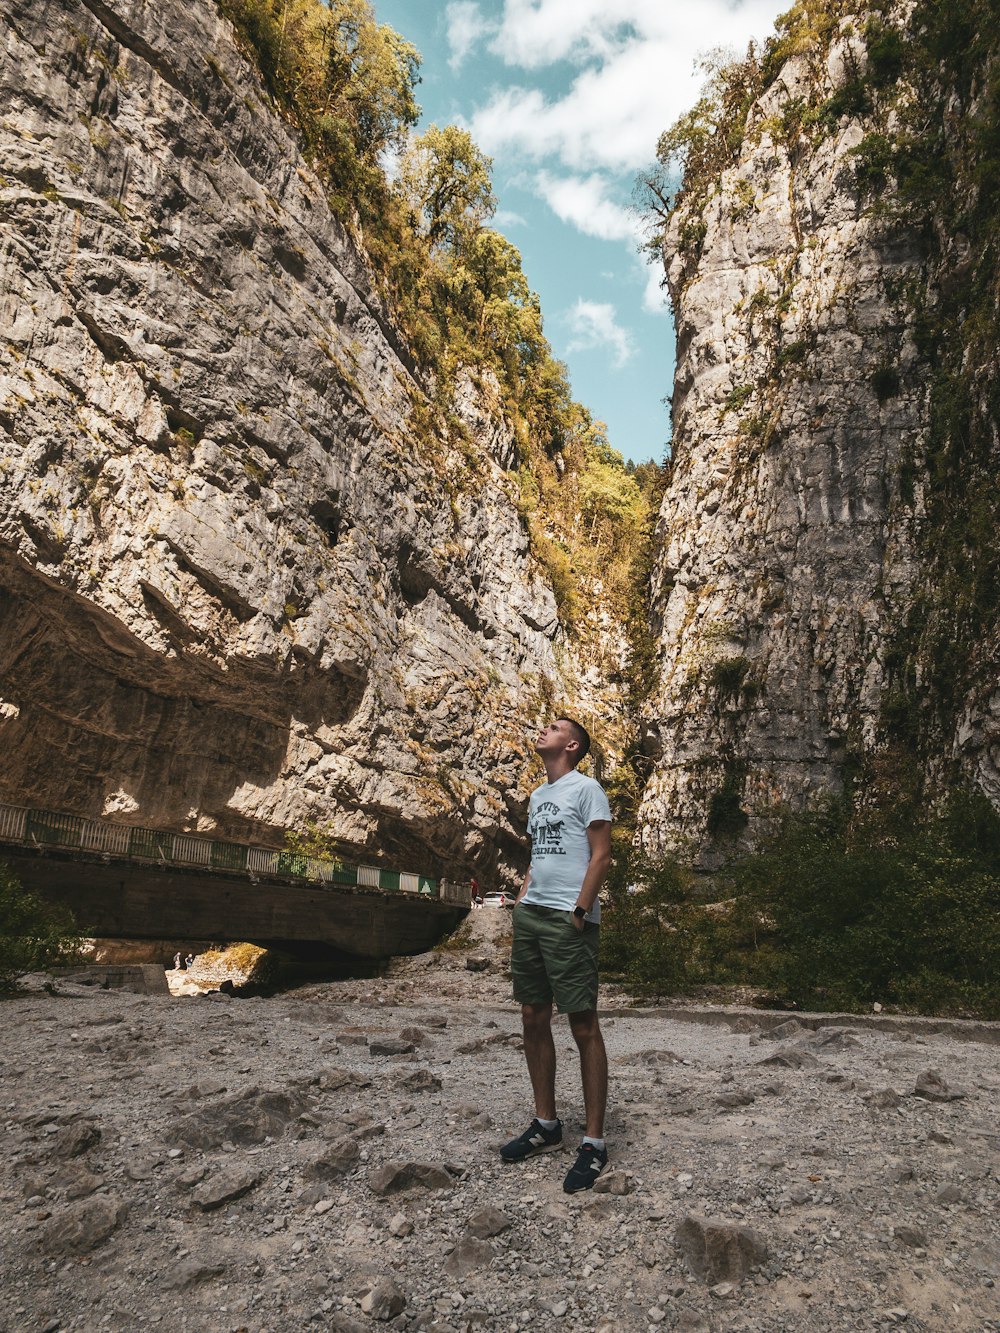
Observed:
{"x":594,"y":1143}
{"x":547,"y":1124}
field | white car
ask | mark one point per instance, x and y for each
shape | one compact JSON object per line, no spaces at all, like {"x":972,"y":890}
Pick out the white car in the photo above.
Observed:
{"x":498,"y":900}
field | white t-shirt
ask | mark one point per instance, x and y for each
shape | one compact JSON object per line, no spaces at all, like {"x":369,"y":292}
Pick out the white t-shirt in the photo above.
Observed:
{"x":559,"y":814}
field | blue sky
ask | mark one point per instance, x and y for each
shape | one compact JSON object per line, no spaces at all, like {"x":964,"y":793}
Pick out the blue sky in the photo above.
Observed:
{"x":569,"y":97}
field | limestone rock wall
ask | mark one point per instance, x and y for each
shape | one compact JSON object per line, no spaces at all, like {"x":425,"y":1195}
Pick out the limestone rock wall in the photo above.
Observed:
{"x":242,"y":585}
{"x":787,"y":558}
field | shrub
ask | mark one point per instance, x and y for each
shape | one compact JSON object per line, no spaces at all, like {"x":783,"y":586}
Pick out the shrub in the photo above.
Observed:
{"x":885,"y":382}
{"x":33,"y":935}
{"x":886,"y":53}
{"x":737,"y":398}
{"x":852,"y":99}
{"x":558,"y":567}
{"x":877,"y":905}
{"x":726,"y":816}
{"x":841,"y":908}
{"x":313,"y":842}
{"x":645,"y":936}
{"x":658,"y":934}
{"x":792,"y":354}
{"x":728,"y":675}
{"x":461,"y":939}
{"x":875,"y":158}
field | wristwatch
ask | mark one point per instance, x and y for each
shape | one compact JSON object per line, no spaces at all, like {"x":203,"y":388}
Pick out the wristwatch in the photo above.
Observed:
{"x":579,"y":912}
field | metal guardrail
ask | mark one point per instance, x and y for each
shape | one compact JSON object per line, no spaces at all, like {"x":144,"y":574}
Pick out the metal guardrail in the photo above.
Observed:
{"x":12,"y":820}
{"x":49,"y":828}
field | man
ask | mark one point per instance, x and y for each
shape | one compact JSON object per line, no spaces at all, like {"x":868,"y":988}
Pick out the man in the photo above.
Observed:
{"x":556,"y":930}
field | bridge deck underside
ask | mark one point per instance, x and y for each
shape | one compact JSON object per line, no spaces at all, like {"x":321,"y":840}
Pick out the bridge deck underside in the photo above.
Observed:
{"x":123,"y":899}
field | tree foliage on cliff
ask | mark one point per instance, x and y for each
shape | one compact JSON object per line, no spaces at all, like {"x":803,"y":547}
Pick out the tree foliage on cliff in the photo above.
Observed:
{"x":348,"y":81}
{"x":33,"y":935}
{"x":456,"y":286}
{"x":694,"y":151}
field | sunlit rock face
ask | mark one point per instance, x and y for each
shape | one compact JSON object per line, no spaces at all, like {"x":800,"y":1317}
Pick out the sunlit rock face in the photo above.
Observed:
{"x":787,"y":559}
{"x":241,"y":586}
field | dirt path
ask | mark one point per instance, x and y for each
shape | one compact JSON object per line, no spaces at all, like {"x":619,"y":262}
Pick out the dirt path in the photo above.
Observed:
{"x":328,"y":1159}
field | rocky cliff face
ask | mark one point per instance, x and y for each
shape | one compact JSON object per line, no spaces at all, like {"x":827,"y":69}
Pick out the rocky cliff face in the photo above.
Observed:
{"x":245,"y":578}
{"x":795,"y":570}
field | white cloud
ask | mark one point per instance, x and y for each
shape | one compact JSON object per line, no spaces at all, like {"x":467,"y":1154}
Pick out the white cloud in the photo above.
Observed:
{"x":534,"y":33}
{"x":506,"y":217}
{"x":583,"y":201}
{"x":467,"y":26}
{"x":594,"y":325}
{"x":639,"y":74}
{"x":654,"y":298}
{"x":611,"y":118}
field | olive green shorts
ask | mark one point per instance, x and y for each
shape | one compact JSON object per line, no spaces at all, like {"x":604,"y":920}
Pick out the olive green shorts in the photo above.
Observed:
{"x":554,"y":960}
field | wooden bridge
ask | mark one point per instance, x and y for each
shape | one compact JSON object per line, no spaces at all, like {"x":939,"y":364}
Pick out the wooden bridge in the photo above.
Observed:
{"x":129,"y":882}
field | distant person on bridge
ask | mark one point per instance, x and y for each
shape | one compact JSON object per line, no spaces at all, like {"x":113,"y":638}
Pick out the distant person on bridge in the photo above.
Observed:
{"x":554,"y":956}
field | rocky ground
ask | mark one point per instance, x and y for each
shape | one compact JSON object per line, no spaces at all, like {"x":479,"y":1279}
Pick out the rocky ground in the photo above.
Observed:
{"x":328,"y":1159}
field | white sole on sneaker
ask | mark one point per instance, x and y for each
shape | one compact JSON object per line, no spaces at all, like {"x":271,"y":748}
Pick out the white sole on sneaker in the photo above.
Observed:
{"x":535,"y":1152}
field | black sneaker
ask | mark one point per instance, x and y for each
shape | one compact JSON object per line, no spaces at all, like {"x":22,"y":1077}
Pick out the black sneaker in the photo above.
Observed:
{"x":535,"y":1139}
{"x":589,"y":1164}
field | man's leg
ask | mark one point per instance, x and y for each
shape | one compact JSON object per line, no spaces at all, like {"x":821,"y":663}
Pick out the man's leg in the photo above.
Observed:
{"x":593,"y":1068}
{"x":540,"y":1057}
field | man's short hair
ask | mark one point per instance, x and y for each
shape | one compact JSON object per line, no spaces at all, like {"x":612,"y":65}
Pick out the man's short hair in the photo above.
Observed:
{"x":581,"y":735}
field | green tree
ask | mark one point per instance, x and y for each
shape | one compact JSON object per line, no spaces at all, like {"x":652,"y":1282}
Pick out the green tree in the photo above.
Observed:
{"x":486,"y":284}
{"x":449,"y":184}
{"x":841,"y":907}
{"x":33,"y":935}
{"x":703,"y":140}
{"x":347,"y":80}
{"x":647,"y":937}
{"x":314,"y":842}
{"x":883,"y":903}
{"x":611,"y":498}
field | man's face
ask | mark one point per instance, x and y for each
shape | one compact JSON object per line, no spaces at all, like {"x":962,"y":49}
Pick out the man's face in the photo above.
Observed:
{"x":553,"y":739}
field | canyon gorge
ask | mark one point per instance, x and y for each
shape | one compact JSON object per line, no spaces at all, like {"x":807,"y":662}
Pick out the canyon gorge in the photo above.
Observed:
{"x":258,"y":569}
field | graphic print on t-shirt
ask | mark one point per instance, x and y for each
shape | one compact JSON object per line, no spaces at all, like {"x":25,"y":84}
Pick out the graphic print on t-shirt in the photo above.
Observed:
{"x":546,"y":828}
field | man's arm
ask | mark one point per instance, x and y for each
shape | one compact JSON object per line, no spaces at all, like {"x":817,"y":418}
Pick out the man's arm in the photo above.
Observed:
{"x":524,"y":886}
{"x":599,"y":837}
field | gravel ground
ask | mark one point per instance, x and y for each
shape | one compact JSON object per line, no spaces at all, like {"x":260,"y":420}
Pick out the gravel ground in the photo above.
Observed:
{"x":328,"y":1159}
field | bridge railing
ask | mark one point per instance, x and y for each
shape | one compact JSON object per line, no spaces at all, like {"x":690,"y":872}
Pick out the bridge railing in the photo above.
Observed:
{"x":12,"y":821}
{"x":113,"y":838}
{"x":50,"y":828}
